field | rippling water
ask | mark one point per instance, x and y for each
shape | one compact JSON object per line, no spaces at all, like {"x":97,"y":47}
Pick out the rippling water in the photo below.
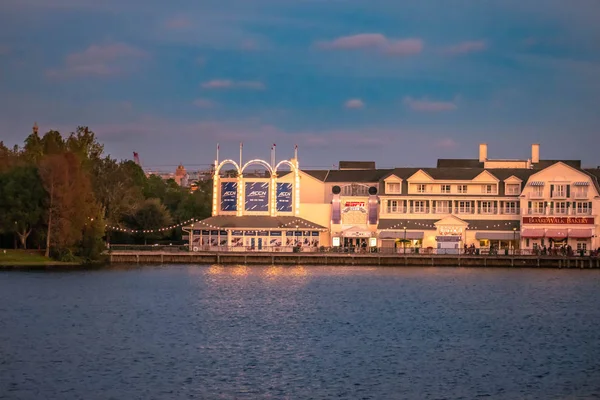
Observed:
{"x":205,"y":332}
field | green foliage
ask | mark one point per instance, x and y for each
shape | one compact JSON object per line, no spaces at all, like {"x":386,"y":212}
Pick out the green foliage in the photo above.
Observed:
{"x":62,"y":191}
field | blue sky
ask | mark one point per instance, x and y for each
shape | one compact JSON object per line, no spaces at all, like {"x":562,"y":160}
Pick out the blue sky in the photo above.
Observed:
{"x":399,"y":82}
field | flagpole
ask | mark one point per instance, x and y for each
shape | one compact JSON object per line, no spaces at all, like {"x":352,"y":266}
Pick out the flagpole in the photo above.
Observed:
{"x":296,"y":152}
{"x":241,"y":146}
{"x":274,"y":159}
{"x":217,"y":161}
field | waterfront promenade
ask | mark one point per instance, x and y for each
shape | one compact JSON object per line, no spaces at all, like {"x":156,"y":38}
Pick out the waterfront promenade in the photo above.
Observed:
{"x":346,"y":259}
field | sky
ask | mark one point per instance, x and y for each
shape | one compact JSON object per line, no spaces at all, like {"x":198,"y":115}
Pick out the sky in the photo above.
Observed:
{"x":402,"y":83}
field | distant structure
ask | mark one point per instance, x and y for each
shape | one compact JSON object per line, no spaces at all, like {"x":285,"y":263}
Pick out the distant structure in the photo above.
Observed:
{"x":35,"y":128}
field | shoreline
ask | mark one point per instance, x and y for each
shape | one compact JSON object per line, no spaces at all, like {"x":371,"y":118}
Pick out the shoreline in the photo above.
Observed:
{"x":333,"y":259}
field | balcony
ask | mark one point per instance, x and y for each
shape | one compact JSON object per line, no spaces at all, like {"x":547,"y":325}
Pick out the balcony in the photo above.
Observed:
{"x":535,"y":211}
{"x":583,"y":211}
{"x":536,"y":195}
{"x":579,"y":195}
{"x":559,"y":195}
{"x":487,"y":210}
{"x":395,"y":210}
{"x":464,"y":210}
{"x":510,"y":211}
{"x":419,"y":210}
{"x":442,"y":210}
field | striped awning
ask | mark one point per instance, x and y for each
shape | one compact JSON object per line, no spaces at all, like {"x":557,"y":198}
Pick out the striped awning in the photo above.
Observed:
{"x":536,"y":183}
{"x":556,"y":233}
{"x":580,"y":233}
{"x":497,"y":235}
{"x":532,"y":233}
{"x":400,"y":235}
{"x":581,"y":184}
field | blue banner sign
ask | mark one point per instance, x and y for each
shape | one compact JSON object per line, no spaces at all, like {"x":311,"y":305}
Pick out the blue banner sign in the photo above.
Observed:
{"x":315,"y":233}
{"x":284,"y":197}
{"x":262,"y":233}
{"x":237,"y":233}
{"x":275,"y":233}
{"x":257,"y":196}
{"x":228,"y":196}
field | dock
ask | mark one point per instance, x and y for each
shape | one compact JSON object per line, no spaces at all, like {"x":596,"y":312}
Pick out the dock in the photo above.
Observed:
{"x":341,"y":259}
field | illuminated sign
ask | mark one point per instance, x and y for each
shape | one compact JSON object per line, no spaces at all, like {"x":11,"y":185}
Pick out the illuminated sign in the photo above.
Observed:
{"x":559,"y":220}
{"x":450,"y":230}
{"x":284,"y":197}
{"x":228,"y":196}
{"x":354,"y":206}
{"x":257,"y":196}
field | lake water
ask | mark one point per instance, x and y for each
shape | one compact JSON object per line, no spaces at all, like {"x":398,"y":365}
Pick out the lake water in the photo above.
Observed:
{"x":208,"y":332}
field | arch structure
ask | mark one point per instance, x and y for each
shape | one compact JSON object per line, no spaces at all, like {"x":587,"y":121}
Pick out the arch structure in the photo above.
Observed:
{"x":241,"y":187}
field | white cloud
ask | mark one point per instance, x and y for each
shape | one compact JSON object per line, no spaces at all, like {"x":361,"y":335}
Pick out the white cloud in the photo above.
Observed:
{"x":100,"y":60}
{"x":231,"y":84}
{"x":374,"y":41}
{"x":354,"y":104}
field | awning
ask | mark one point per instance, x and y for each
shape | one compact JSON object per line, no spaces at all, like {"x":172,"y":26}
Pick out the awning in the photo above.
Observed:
{"x":556,"y":233}
{"x":536,"y":183}
{"x":356,"y":232}
{"x":580,"y":233}
{"x":400,"y":235}
{"x":532,"y":233}
{"x":498,"y":235}
{"x":581,"y":183}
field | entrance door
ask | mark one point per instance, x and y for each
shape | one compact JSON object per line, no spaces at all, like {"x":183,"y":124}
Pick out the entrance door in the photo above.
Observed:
{"x":260,"y":243}
{"x":252,"y":243}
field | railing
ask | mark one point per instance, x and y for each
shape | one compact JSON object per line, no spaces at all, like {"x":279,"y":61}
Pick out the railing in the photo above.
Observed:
{"x":490,"y":210}
{"x":579,"y":195}
{"x":395,"y":210}
{"x":559,"y":195}
{"x":535,"y":211}
{"x":419,"y":210}
{"x":533,"y":195}
{"x":510,"y":211}
{"x":400,"y":251}
{"x":442,"y":210}
{"x":464,"y":210}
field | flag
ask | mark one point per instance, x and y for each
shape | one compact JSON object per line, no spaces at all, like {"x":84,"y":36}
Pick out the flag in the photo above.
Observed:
{"x":218,"y":146}
{"x":273,"y":144}
{"x":296,"y":147}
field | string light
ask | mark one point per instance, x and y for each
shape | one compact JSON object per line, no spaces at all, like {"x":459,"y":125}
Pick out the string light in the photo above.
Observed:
{"x":166,"y":228}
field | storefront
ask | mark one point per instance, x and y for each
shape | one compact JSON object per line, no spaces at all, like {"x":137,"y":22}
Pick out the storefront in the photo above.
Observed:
{"x":556,"y":233}
{"x":401,"y":241}
{"x":498,"y":240}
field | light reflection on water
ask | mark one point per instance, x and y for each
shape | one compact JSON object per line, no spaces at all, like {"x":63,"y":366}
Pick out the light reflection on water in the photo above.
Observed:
{"x":245,"y":332}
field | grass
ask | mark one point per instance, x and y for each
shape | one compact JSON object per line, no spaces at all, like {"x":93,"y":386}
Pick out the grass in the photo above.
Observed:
{"x":16,"y":258}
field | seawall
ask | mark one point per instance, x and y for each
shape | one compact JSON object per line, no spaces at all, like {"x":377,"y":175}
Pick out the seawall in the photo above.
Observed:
{"x":391,"y":260}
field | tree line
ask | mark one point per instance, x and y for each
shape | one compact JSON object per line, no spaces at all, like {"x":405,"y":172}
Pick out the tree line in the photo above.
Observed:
{"x":61,"y":193}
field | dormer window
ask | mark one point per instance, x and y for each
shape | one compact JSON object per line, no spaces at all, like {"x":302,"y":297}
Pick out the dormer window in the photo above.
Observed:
{"x":392,"y":187}
{"x":488,"y":189}
{"x":513,"y":189}
{"x":445,"y":188}
{"x":421,"y":188}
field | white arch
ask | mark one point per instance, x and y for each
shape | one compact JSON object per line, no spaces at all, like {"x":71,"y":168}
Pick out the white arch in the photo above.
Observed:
{"x":261,"y":162}
{"x":224,"y":162}
{"x":291,"y":164}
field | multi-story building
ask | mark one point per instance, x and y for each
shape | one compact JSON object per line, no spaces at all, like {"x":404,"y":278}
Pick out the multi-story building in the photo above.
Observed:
{"x":491,"y":205}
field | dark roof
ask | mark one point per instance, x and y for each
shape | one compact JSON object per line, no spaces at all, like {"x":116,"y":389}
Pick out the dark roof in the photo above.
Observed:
{"x":319,"y":174}
{"x":357,"y":164}
{"x":372,"y":175}
{"x":428,"y":224}
{"x":546,"y":163}
{"x":254,"y":222}
{"x":459,"y":163}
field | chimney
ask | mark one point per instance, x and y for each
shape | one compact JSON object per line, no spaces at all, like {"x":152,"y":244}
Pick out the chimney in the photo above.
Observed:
{"x":535,"y":153}
{"x":482,"y":152}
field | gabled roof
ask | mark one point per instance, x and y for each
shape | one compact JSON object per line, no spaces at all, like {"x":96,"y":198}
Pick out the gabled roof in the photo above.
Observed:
{"x":254,"y":222}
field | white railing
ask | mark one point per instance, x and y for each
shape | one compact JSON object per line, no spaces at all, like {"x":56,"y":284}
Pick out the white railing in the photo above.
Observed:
{"x":395,"y":210}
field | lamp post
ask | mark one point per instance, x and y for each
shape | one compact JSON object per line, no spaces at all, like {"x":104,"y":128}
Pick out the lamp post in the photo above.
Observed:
{"x":514,"y":240}
{"x":404,"y":242}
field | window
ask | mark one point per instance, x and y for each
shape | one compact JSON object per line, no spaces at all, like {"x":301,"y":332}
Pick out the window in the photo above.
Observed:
{"x":513,"y":188}
{"x":392,"y":187}
{"x":355,"y":189}
{"x":421,"y":188}
{"x":487,"y":189}
{"x":419,"y":207}
{"x":583,"y":207}
{"x":560,"y":207}
{"x":392,"y":206}
{"x":538,"y":191}
{"x":510,"y":207}
{"x":581,"y":246}
{"x":560,"y":191}
{"x":537,"y":207}
{"x":464,"y":207}
{"x":581,"y":192}
{"x":444,"y":207}
{"x":462,"y":188}
{"x":487,"y":207}
{"x":445,"y":188}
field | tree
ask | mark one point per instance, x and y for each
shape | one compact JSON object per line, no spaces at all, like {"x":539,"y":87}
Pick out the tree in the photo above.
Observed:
{"x":22,"y":200}
{"x":152,"y":215}
{"x":71,"y":202}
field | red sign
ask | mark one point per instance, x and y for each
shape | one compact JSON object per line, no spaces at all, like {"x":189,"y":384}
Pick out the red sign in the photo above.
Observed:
{"x":354,"y":204}
{"x":559,"y":220}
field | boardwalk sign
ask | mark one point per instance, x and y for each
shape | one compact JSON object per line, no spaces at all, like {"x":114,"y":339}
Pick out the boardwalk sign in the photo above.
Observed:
{"x":257,"y":196}
{"x":559,"y":220}
{"x":228,"y":196}
{"x":284,"y":197}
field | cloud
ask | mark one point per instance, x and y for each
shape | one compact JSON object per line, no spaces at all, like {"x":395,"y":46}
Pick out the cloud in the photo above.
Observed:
{"x":429,"y":105}
{"x":374,"y":41}
{"x":354,"y":103}
{"x":100,"y":60}
{"x":466,"y":47}
{"x":230,"y":84}
{"x":204,"y":103}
